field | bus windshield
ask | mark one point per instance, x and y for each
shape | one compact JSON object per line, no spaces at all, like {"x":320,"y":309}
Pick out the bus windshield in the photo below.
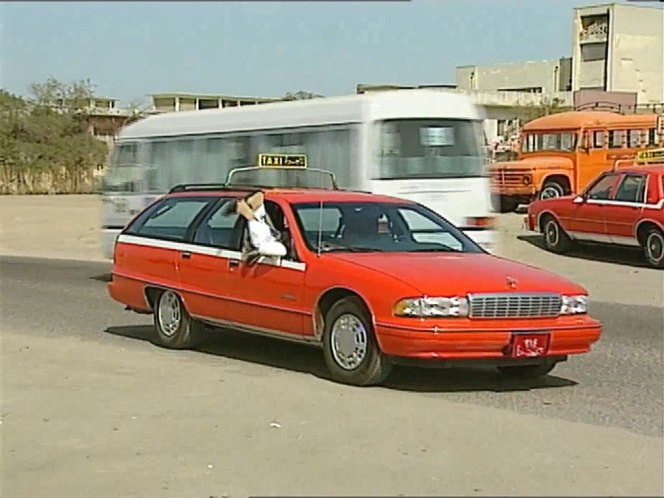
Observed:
{"x":548,"y":142}
{"x":122,"y":178}
{"x":431,"y":148}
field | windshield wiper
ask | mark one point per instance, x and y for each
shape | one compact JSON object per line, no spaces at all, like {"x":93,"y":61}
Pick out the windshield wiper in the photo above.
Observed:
{"x":434,"y":249}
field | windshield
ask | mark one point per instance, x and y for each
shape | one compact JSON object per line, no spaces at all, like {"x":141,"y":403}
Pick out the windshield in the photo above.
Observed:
{"x":378,"y":227}
{"x":430,"y":148}
{"x":544,"y":142}
{"x":123,"y":174}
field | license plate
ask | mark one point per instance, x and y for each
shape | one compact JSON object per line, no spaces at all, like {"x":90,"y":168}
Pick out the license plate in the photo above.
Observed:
{"x":529,"y":345}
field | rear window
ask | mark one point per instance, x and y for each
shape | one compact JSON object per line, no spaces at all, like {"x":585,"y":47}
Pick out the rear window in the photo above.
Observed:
{"x":169,"y":219}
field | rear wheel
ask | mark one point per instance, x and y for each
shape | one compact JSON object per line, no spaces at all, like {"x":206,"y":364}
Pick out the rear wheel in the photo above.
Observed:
{"x":555,"y":238}
{"x":528,"y":371}
{"x":175,"y":328}
{"x":653,"y":246}
{"x":551,"y":190}
{"x":507,"y":204}
{"x":349,"y":345}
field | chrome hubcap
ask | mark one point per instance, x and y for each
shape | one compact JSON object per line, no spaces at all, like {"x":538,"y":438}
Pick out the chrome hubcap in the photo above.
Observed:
{"x":552,"y":234}
{"x":655,"y":247}
{"x":549,"y":193}
{"x":348,"y":341}
{"x":170,"y":313}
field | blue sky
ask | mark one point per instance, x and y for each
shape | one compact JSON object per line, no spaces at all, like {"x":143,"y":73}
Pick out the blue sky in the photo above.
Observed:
{"x":130,"y":50}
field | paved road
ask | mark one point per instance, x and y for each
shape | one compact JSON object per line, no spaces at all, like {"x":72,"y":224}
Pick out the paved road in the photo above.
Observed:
{"x":619,"y":384}
{"x":85,"y":393}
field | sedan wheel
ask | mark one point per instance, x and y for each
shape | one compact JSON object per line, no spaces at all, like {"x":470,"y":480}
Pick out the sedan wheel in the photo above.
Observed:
{"x":654,"y":248}
{"x":555,"y":239}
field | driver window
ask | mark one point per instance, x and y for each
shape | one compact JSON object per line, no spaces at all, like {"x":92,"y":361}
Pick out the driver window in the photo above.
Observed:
{"x":601,"y":190}
{"x":425,"y":231}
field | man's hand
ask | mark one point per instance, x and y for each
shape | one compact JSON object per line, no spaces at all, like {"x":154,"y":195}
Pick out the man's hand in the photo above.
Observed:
{"x":243,"y":209}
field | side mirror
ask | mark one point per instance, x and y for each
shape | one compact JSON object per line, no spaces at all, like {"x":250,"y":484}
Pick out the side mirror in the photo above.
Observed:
{"x":578,"y":200}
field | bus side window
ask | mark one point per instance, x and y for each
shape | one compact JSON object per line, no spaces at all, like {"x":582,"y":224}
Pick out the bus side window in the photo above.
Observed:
{"x":616,"y":139}
{"x":652,"y":138}
{"x":598,"y":139}
{"x":634,"y":140}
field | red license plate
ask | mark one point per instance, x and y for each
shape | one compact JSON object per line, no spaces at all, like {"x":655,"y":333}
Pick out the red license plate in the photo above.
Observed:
{"x":529,"y":345}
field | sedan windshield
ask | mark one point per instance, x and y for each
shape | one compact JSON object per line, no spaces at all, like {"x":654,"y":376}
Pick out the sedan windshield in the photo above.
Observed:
{"x":378,"y":227}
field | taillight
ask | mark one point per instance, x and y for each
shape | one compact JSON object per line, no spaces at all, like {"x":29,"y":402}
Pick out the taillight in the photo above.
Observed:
{"x":480,"y":221}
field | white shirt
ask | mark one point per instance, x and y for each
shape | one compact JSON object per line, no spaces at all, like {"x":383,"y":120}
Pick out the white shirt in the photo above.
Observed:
{"x":259,"y":231}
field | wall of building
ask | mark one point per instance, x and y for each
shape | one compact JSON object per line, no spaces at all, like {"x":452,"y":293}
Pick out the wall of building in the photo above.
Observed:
{"x":545,"y":76}
{"x":637,"y":52}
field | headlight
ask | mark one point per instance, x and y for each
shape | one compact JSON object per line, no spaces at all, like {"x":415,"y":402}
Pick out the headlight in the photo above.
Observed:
{"x":526,"y":179}
{"x":572,"y":305}
{"x":432,"y":307}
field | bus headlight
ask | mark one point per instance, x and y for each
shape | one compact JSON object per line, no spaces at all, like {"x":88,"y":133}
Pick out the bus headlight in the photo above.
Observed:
{"x":572,"y":305}
{"x":426,"y":307}
{"x":527,"y":179}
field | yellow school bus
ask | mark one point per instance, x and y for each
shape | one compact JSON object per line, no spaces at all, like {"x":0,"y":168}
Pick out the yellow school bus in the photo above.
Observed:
{"x":561,"y":153}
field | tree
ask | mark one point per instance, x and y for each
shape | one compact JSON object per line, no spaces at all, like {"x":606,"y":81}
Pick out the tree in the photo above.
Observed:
{"x":44,"y":144}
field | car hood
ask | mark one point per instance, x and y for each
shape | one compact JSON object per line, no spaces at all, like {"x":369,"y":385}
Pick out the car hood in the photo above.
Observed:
{"x":551,"y":203}
{"x":539,"y":162}
{"x":459,"y":274}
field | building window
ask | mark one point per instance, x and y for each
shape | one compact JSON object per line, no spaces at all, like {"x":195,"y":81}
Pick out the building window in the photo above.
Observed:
{"x":593,"y":52}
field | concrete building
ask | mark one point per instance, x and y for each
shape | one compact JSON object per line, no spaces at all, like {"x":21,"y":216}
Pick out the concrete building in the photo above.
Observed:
{"x":546,"y":76}
{"x":619,"y":47}
{"x":174,"y":102}
{"x":615,"y":48}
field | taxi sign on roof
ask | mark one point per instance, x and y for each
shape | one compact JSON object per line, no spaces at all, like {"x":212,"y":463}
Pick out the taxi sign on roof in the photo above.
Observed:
{"x":650,"y":156}
{"x":281,"y":160}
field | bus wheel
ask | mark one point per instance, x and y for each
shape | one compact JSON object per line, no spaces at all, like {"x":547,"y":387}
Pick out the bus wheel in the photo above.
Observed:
{"x":507,"y":204}
{"x":551,"y":189}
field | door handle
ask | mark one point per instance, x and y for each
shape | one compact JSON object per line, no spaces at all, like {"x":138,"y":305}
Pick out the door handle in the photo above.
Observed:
{"x":185,"y":254}
{"x":233,"y":263}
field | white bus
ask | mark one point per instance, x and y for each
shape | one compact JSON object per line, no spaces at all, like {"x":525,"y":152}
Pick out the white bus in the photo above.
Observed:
{"x":422,"y":145}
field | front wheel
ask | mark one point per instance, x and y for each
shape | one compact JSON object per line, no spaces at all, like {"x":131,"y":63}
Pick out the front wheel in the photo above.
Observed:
{"x":507,"y":204}
{"x":175,"y":328}
{"x":653,"y":247}
{"x":555,"y":238}
{"x":551,"y":190}
{"x":349,"y":345}
{"x":528,"y":371}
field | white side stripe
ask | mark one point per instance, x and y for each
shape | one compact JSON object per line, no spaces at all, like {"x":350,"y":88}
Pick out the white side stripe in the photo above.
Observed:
{"x":204,"y":250}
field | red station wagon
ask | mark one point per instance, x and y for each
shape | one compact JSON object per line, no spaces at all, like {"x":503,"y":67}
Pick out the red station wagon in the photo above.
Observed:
{"x":622,"y":207}
{"x":372,"y":280}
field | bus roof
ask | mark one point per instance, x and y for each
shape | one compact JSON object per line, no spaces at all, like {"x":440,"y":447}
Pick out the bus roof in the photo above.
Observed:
{"x":418,"y":103}
{"x":574,"y":120}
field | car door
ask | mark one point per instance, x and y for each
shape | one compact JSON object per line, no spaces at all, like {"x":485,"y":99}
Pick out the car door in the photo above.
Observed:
{"x":268,"y":296}
{"x":586,"y":220}
{"x":204,"y":263}
{"x":625,"y":208}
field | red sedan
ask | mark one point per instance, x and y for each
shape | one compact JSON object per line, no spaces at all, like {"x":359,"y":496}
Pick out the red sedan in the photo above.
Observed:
{"x":621,"y":207}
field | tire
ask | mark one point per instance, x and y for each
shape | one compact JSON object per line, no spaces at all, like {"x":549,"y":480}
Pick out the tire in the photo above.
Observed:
{"x":507,"y":204}
{"x":555,"y":238}
{"x":371,"y":368}
{"x":653,"y":247}
{"x":550,"y":190}
{"x":175,"y":328}
{"x":528,"y":371}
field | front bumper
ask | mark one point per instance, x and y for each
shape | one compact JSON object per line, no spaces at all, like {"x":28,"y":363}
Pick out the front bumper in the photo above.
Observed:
{"x":482,"y":343}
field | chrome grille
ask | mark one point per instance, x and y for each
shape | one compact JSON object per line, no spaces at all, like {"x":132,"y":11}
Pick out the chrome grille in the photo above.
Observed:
{"x":514,"y":305}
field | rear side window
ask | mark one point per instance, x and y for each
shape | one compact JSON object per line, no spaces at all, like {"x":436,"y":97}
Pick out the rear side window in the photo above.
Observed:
{"x":631,"y":188}
{"x":169,"y":219}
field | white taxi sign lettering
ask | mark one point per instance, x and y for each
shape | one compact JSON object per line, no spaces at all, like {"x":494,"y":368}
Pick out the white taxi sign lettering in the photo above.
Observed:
{"x":282,"y":160}
{"x":646,"y":156}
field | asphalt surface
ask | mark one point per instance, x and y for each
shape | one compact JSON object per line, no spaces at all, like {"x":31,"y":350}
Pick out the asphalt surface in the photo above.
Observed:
{"x":619,"y":384}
